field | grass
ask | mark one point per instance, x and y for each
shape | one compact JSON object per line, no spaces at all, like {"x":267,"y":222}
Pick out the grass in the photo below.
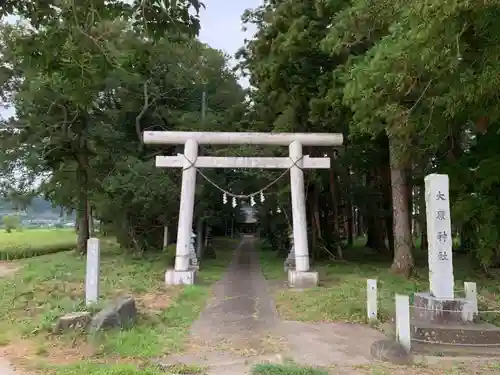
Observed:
{"x":342,"y":294}
{"x":445,"y":368}
{"x":286,"y":369}
{"x":49,"y":286}
{"x":33,"y":242}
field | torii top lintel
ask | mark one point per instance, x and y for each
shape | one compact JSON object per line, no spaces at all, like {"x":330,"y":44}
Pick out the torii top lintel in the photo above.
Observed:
{"x":240,"y":138}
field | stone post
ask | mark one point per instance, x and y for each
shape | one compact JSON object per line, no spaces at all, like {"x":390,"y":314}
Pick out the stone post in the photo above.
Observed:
{"x":199,"y":236}
{"x":371,"y":300}
{"x":193,"y":259}
{"x":92,"y":271}
{"x":290,"y":259}
{"x":165,"y":236}
{"x":403,"y":330}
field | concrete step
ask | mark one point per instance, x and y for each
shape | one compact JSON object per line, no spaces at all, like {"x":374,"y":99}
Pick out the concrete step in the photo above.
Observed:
{"x":450,"y":350}
{"x":479,"y":334}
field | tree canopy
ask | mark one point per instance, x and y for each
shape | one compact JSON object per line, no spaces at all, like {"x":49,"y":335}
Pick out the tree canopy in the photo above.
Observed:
{"x":412,"y":86}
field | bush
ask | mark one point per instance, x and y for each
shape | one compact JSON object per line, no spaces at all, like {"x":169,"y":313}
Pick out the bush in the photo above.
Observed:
{"x":11,"y":223}
{"x":14,"y":253}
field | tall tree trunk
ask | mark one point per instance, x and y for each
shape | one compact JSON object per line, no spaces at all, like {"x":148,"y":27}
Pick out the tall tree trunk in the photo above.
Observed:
{"x":91,"y":220}
{"x":312,"y":221}
{"x":382,"y":142}
{"x":349,"y":216}
{"x":409,"y":195}
{"x":82,"y":212}
{"x":349,"y":186}
{"x":335,"y":207}
{"x":374,"y":220}
{"x":424,"y":245}
{"x":403,"y":259}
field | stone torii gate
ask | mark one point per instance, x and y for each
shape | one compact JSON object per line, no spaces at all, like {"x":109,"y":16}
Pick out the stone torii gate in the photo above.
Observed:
{"x":182,"y":272}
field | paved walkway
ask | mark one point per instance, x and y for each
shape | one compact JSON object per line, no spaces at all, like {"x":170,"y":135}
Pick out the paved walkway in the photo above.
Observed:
{"x":6,"y":368}
{"x":241,"y":309}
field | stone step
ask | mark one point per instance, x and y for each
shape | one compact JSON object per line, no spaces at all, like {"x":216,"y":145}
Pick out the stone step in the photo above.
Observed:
{"x":450,"y":350}
{"x":484,"y":334}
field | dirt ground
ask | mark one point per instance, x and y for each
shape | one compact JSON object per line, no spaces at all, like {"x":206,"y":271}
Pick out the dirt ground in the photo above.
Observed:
{"x":8,"y":268}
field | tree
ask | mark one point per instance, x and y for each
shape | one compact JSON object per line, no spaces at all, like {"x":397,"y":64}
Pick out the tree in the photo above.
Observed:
{"x":395,"y":72}
{"x":87,"y":137}
{"x":11,"y":223}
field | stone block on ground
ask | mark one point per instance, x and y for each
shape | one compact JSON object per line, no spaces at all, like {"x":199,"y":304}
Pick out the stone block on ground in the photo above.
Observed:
{"x":173,"y":277}
{"x":302,"y":280}
{"x":120,"y":314}
{"x":73,"y":321}
{"x":480,"y":334}
{"x":390,"y":351}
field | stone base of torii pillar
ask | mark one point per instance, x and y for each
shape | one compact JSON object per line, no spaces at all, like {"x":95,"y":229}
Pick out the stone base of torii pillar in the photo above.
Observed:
{"x":298,"y":279}
{"x":173,"y":277}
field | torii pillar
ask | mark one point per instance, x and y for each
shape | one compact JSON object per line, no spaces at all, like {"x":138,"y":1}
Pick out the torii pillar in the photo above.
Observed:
{"x":182,"y":274}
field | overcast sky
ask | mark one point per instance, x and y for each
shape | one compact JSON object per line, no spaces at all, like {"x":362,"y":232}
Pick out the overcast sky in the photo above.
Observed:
{"x":220,"y":27}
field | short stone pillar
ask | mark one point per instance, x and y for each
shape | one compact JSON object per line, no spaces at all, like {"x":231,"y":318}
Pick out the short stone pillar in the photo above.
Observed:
{"x":193,"y":259}
{"x":92,"y":273}
{"x":289,"y":263}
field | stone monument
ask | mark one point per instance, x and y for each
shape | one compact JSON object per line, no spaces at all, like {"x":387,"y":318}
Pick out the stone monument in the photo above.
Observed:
{"x":440,"y":304}
{"x":438,"y":316}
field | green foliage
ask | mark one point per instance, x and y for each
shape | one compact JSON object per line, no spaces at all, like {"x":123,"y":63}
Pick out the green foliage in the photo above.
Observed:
{"x":85,"y":85}
{"x":420,"y":80}
{"x":58,"y":279}
{"x":11,"y":223}
{"x":34,"y":242}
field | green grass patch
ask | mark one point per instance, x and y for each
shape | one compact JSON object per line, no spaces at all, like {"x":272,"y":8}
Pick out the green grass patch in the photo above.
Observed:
{"x":90,"y":368}
{"x":34,"y":242}
{"x":341,"y":297}
{"x":286,"y":369}
{"x":49,"y":286}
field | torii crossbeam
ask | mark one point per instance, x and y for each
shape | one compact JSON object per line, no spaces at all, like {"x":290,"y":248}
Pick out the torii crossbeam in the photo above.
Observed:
{"x":182,"y":273}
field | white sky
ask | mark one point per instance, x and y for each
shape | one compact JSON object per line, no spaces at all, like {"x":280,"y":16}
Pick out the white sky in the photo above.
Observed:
{"x":220,"y":28}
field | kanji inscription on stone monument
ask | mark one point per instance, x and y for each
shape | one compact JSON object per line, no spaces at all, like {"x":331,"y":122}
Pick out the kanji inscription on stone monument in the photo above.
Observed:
{"x":439,"y":236}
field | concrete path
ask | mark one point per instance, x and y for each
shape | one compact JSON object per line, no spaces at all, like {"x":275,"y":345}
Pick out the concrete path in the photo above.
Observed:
{"x":6,"y":368}
{"x":241,"y":309}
